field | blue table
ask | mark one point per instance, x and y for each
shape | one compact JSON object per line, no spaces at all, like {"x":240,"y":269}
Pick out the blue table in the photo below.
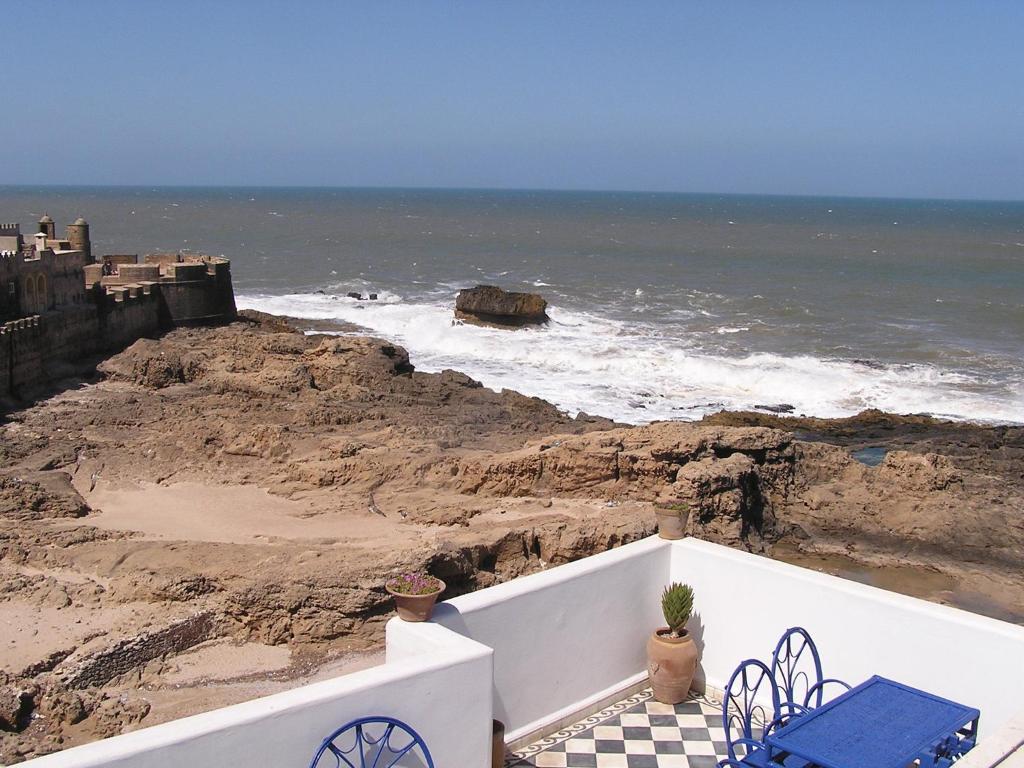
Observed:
{"x":878,"y":724}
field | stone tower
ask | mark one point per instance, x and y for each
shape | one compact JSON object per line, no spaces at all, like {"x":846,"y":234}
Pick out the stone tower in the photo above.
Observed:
{"x":47,"y":227}
{"x":78,"y":235}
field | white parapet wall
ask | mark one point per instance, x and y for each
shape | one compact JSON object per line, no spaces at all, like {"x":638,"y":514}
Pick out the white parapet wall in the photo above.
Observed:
{"x":546,"y":647}
{"x":568,"y":637}
{"x":564,"y":638}
{"x":745,"y":602}
{"x":442,"y":689}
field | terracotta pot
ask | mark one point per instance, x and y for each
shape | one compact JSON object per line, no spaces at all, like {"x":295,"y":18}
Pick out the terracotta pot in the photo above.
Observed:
{"x":672,"y":522}
{"x":671,"y":664}
{"x":415,"y":607}
{"x":497,"y":744}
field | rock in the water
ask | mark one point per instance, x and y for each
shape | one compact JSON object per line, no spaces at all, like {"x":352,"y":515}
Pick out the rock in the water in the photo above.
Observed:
{"x":490,"y":304}
{"x":780,"y":408}
{"x":354,"y":295}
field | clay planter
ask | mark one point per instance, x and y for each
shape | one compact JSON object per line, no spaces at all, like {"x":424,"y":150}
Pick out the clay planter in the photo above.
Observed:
{"x":497,"y":744}
{"x":671,"y":664}
{"x":415,"y":607}
{"x":672,"y":522}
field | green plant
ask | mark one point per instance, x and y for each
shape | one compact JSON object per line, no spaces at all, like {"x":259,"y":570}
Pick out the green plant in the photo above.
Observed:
{"x":677,"y":605}
{"x":414,"y":584}
{"x":678,"y":506}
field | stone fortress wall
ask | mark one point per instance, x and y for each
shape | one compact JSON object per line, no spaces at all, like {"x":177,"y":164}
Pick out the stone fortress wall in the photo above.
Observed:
{"x":22,"y":347}
{"x":58,"y":305}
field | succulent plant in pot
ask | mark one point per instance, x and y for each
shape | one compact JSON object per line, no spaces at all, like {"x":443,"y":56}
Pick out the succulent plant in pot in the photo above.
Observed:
{"x":415,"y":594}
{"x":672,"y":519}
{"x":671,"y":652}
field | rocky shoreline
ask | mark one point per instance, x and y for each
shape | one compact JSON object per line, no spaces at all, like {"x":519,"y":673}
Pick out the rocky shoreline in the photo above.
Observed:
{"x":217,"y":511}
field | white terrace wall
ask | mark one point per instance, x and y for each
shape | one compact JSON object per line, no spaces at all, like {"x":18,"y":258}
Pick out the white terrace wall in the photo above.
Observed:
{"x":744,"y":603}
{"x":570,"y":636}
{"x":535,"y":650}
{"x":443,"y":690}
{"x":563,"y":639}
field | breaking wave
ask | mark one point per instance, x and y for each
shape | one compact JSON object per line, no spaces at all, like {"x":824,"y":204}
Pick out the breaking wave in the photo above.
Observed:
{"x":638,"y":373}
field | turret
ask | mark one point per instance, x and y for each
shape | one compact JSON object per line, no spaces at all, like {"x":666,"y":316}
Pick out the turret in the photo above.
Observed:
{"x":47,"y":227}
{"x":78,"y":235}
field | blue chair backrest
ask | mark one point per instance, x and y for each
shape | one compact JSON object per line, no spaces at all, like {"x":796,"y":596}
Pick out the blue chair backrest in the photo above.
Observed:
{"x":749,"y":705}
{"x":796,"y":666}
{"x":373,"y":742}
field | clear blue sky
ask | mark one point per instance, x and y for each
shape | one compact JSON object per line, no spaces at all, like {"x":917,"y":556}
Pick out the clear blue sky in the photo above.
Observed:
{"x":852,"y":98}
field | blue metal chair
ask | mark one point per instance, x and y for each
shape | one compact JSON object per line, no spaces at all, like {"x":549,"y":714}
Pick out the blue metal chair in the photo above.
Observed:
{"x":373,"y":742}
{"x":796,"y":667}
{"x":743,"y":705}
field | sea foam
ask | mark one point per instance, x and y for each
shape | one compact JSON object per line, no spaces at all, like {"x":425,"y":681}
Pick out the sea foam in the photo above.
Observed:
{"x":636,"y":373}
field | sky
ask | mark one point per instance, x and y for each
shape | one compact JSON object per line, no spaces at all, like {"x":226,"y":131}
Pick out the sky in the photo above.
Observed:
{"x":864,"y":98}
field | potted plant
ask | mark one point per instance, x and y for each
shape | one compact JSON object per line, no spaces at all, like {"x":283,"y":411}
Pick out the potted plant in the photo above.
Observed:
{"x":671,"y":652}
{"x":672,"y":519}
{"x":497,"y":744}
{"x":415,"y":595}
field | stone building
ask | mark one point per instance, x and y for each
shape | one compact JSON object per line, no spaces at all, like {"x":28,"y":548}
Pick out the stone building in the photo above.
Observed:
{"x":58,"y":303}
{"x":42,"y":273}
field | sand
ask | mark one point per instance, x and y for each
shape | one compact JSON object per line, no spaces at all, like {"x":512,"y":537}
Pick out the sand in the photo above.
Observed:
{"x":230,"y":514}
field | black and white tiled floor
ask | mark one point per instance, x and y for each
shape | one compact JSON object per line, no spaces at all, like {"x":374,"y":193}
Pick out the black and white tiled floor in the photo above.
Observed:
{"x":637,"y":732}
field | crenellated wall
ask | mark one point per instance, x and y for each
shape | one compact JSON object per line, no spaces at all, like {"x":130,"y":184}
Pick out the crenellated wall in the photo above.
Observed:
{"x":66,"y":336}
{"x":8,"y":286}
{"x":78,"y":311}
{"x":22,"y":352}
{"x":196,"y":293}
{"x":43,"y":348}
{"x":129,"y":314}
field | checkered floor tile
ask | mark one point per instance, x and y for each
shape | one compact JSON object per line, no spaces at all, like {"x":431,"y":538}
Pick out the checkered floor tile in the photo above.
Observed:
{"x":637,"y":732}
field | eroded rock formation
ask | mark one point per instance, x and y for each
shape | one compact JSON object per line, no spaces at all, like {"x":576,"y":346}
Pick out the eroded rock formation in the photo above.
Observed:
{"x":494,"y":306}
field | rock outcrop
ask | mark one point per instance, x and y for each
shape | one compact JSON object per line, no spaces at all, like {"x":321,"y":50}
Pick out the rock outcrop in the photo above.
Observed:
{"x":728,"y":477}
{"x":37,"y":495}
{"x":491,"y":305}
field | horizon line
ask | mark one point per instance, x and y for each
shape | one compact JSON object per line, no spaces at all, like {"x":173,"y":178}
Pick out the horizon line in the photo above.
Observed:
{"x":557,"y":190}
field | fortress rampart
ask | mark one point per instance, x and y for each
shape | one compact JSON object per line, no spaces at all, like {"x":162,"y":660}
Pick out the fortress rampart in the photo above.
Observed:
{"x":22,"y":350}
{"x":58,"y":306}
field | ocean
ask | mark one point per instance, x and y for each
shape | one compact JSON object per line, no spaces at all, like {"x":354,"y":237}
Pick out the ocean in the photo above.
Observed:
{"x":663,"y":306}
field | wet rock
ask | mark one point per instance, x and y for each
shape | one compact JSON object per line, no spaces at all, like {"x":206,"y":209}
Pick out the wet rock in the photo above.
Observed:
{"x":354,"y":295}
{"x":780,"y":408}
{"x":492,"y":305}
